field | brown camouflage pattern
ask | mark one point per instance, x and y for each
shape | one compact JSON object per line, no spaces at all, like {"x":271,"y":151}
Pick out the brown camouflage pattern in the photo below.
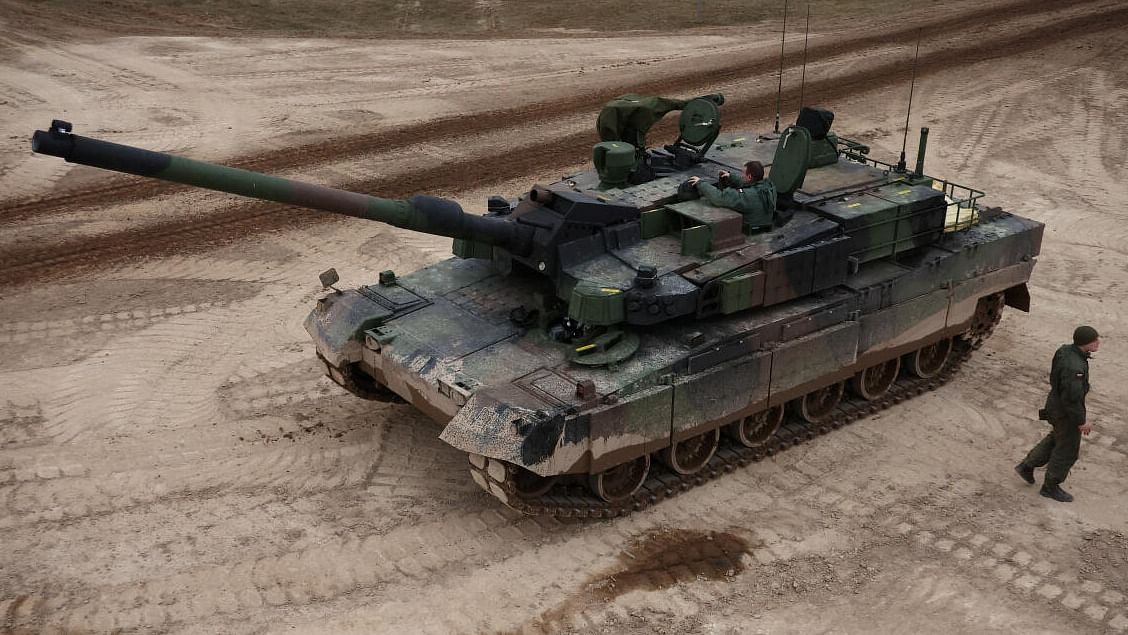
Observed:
{"x":872,"y":266}
{"x":523,"y":408}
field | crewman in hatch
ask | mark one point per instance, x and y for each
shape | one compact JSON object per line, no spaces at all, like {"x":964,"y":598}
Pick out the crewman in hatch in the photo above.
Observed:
{"x":753,"y":196}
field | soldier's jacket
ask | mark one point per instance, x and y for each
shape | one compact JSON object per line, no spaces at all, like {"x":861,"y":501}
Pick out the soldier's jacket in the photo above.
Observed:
{"x":1069,"y":383}
{"x":757,"y":202}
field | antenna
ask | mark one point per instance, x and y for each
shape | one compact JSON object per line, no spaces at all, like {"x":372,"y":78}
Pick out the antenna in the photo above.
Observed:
{"x":782,"y":41}
{"x":912,"y":85}
{"x":803,"y":81}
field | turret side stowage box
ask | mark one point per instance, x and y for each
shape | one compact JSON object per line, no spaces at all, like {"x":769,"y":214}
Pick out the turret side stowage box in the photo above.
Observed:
{"x":888,"y":220}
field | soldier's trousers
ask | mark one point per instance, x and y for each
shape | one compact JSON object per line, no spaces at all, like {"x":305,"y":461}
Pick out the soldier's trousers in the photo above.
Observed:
{"x":1058,"y":451}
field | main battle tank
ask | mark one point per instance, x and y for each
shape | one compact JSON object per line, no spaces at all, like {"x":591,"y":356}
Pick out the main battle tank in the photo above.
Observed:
{"x":612,"y":317}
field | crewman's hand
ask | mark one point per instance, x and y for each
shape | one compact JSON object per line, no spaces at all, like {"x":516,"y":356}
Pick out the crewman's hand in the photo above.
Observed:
{"x":1086,"y":428}
{"x":693,"y":180}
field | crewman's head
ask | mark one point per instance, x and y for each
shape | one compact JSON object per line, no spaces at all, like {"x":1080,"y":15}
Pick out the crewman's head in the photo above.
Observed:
{"x":1087,"y":339}
{"x":754,"y":171}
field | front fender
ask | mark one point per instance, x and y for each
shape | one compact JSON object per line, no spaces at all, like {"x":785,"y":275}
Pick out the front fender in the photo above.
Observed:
{"x":338,"y":322}
{"x":527,"y":434}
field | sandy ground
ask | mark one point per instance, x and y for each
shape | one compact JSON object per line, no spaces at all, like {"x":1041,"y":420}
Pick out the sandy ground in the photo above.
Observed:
{"x":171,"y":459}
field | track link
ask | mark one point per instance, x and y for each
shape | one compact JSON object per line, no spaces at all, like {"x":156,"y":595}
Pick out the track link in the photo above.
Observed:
{"x":576,"y":501}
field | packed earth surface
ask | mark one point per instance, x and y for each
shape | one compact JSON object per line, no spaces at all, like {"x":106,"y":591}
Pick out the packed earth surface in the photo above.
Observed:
{"x":172,"y":458}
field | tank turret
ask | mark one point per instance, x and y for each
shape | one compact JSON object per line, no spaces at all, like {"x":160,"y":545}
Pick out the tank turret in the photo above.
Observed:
{"x":588,"y":239}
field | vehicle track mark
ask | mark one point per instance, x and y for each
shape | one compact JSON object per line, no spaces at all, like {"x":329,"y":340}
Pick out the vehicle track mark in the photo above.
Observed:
{"x":22,"y":332}
{"x":572,"y":552}
{"x":20,"y":424}
{"x":458,"y":545}
{"x":423,"y":468}
{"x":1028,"y":571}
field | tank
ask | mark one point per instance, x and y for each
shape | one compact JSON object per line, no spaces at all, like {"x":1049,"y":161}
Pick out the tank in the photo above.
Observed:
{"x":609,"y":340}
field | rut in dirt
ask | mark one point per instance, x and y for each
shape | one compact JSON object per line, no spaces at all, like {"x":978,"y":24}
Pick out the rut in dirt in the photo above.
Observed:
{"x":252,"y":218}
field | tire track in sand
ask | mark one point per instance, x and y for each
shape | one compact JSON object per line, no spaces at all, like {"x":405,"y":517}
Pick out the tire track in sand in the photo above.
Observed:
{"x":459,"y":548}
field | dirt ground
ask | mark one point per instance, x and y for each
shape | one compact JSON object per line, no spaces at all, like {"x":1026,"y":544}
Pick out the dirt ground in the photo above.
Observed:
{"x":172,"y":460}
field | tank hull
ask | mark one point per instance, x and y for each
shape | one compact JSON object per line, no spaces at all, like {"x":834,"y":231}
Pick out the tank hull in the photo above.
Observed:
{"x":878,"y":283}
{"x":600,"y":325}
{"x":510,"y":396}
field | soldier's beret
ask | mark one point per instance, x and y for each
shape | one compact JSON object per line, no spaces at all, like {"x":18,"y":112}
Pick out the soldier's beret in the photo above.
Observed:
{"x":1083,"y":335}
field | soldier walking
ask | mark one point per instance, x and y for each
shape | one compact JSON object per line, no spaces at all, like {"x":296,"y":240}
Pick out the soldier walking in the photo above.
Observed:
{"x":1065,"y":411}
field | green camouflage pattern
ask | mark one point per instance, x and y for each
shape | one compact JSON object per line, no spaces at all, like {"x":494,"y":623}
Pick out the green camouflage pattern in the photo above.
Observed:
{"x":422,"y":213}
{"x":717,"y":322}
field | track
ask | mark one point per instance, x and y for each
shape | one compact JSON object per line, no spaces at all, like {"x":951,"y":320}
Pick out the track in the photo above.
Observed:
{"x":245,"y":219}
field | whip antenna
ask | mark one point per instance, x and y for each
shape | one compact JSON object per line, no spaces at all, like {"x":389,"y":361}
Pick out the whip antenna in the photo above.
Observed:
{"x":803,"y":80}
{"x":912,"y":85}
{"x":782,"y":41}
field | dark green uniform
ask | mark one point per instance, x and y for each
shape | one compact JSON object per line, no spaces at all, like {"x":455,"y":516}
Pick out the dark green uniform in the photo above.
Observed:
{"x":1065,"y":410}
{"x":757,"y":202}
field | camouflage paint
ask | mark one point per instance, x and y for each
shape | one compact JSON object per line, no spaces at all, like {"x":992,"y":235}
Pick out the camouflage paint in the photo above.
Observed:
{"x":703,"y":396}
{"x":422,"y":213}
{"x":743,"y":322}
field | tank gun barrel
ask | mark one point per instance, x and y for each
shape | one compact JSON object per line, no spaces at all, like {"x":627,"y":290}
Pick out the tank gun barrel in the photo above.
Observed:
{"x":427,"y":214}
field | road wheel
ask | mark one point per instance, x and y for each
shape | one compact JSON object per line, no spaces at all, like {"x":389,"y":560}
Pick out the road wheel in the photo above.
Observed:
{"x":622,"y":481}
{"x":818,"y":405}
{"x":872,"y":383}
{"x":755,"y":430}
{"x":928,"y":361}
{"x":529,"y":484}
{"x":690,"y":455}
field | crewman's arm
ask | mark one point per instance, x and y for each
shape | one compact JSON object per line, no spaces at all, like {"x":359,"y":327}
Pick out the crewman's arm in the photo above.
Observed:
{"x":727,"y":197}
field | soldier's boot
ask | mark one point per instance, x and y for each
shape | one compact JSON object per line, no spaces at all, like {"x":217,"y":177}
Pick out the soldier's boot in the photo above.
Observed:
{"x":1057,"y":493}
{"x":1026,"y":472}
